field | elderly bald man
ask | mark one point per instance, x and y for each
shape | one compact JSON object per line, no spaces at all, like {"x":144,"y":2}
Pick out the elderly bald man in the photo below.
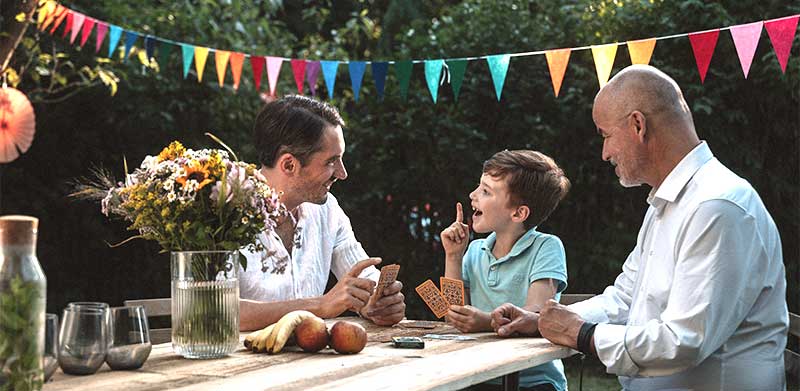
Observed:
{"x":701,"y":300}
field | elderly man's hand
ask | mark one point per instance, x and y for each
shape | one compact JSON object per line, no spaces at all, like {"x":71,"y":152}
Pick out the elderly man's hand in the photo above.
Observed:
{"x":509,"y":320}
{"x":389,"y":309}
{"x":559,"y":324}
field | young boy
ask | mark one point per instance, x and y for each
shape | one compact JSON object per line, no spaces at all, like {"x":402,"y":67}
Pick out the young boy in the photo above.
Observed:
{"x":515,"y":263}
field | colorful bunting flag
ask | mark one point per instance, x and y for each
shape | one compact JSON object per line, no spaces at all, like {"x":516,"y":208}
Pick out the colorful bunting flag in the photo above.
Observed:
{"x":77,"y":24}
{"x":457,"y":68}
{"x":102,"y":30}
{"x":200,"y":58}
{"x":379,"y":71}
{"x":188,"y":55}
{"x":498,"y":66}
{"x":273,"y":70}
{"x":237,"y":60}
{"x":88,"y":25}
{"x":703,"y":45}
{"x":329,"y":74}
{"x":115,"y":32}
{"x":62,"y":13}
{"x":604,"y":61}
{"x":164,"y":49}
{"x":641,"y":50}
{"x":781,"y":34}
{"x":221,"y":58}
{"x":312,"y":73}
{"x":68,"y":27}
{"x":557,"y":61}
{"x":357,"y":69}
{"x":745,"y":38}
{"x":45,"y":16}
{"x":299,"y":72}
{"x":433,"y":72}
{"x":130,"y":39}
{"x":257,"y":64}
{"x":403,"y":69}
{"x":150,"y":47}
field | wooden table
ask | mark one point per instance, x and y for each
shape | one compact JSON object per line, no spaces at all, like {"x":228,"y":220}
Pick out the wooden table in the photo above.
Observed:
{"x":441,"y":365}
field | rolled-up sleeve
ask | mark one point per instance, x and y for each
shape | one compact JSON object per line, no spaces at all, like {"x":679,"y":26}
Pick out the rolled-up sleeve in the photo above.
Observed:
{"x":347,"y":250}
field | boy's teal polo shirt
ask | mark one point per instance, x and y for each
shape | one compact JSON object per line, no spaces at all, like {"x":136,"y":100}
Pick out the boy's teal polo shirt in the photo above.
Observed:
{"x":493,"y":282}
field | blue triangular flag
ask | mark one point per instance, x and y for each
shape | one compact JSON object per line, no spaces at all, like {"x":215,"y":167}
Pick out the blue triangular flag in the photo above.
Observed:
{"x":498,"y":66}
{"x":130,"y":39}
{"x":150,"y":47}
{"x":433,"y":72}
{"x":357,"y":69}
{"x":329,"y":73}
{"x":379,"y":71}
{"x":114,"y":32}
{"x":188,"y":56}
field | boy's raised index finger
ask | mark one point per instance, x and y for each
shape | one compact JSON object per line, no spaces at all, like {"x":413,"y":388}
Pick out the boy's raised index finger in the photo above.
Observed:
{"x":459,"y":213}
{"x":361,"y":265}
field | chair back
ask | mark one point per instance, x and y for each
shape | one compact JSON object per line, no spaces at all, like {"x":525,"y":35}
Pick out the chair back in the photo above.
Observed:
{"x":155,"y":308}
{"x":572,"y":298}
{"x":791,"y":358}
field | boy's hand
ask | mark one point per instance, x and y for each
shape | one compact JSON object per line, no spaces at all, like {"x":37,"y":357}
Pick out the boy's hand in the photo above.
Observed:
{"x":468,"y":319}
{"x":456,"y":237}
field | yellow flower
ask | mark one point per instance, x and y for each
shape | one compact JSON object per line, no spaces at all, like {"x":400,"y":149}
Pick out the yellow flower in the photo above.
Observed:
{"x":174,"y":150}
{"x":196,"y":171}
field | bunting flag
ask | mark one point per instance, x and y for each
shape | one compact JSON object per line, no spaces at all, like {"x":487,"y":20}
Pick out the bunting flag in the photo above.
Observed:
{"x":703,"y":45}
{"x":457,"y":68}
{"x":273,"y":70}
{"x":68,"y":27}
{"x":237,"y":60}
{"x":77,"y":25}
{"x":379,"y":71}
{"x":403,"y":69}
{"x":114,"y":34}
{"x":86,"y":31}
{"x":312,"y":73}
{"x":357,"y":69}
{"x":102,"y":30}
{"x":641,"y":50}
{"x":604,"y":61}
{"x":745,"y":38}
{"x":498,"y":66}
{"x":164,"y":50}
{"x":150,"y":47}
{"x":299,"y":72}
{"x":557,"y":61}
{"x":200,"y":58}
{"x":188,"y":55}
{"x":62,"y":15}
{"x":329,"y":74}
{"x":781,"y":34}
{"x":130,"y":39}
{"x":221,"y":58}
{"x":257,"y":64}
{"x":45,"y":16}
{"x":433,"y":72}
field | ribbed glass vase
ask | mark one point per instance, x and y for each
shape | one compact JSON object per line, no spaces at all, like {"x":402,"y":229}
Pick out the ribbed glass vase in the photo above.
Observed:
{"x":205,"y":303}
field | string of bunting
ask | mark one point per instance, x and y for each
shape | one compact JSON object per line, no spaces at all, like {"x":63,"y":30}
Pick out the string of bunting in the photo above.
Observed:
{"x":52,"y":15}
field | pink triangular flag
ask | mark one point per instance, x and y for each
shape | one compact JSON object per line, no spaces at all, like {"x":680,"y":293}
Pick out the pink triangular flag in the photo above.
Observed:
{"x":68,"y":26}
{"x":273,"y":69}
{"x":77,"y":22}
{"x":745,"y":38}
{"x":781,"y":34}
{"x":102,"y":30}
{"x":86,"y":30}
{"x":703,"y":44}
{"x":237,"y":59}
{"x":221,"y":61}
{"x":299,"y":71}
{"x":257,"y":63}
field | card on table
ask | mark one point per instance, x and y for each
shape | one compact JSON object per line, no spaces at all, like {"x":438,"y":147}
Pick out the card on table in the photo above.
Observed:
{"x":453,"y":290}
{"x":388,"y":277}
{"x":433,"y":298}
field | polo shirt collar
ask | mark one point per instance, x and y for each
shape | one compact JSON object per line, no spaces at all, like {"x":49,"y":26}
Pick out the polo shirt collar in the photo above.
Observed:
{"x":522,"y":244}
{"x":677,"y":179}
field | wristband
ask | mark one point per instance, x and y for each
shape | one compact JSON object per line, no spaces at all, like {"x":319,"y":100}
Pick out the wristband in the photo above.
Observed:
{"x":585,"y":337}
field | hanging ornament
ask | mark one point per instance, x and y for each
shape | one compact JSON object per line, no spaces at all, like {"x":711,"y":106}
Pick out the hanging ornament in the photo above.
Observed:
{"x":17,"y":124}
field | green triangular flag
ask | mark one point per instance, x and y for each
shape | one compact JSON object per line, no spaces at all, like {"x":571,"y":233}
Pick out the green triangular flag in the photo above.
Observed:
{"x":403,"y":69}
{"x":433,"y":72}
{"x":164,"y":49}
{"x":498,"y":66}
{"x":457,"y":69}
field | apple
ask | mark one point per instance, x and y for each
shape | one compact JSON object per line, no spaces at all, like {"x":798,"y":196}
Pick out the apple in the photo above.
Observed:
{"x":311,"y":334}
{"x":348,"y":337}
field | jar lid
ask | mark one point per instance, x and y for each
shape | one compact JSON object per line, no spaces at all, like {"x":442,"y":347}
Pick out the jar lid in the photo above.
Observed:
{"x":18,"y":230}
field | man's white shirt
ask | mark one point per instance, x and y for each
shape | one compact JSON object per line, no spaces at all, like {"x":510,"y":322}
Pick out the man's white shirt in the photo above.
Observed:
{"x":701,"y":301}
{"x":323,"y":242}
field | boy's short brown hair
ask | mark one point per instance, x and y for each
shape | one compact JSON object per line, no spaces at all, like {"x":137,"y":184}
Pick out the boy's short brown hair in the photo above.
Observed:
{"x":533,"y":178}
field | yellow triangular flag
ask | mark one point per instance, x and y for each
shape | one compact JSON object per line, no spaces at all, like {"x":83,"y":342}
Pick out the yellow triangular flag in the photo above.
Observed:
{"x":221,"y":59}
{"x":237,"y":59}
{"x":557,"y":61}
{"x":641,"y":50}
{"x":45,"y":11}
{"x":200,"y":57}
{"x":604,"y":61}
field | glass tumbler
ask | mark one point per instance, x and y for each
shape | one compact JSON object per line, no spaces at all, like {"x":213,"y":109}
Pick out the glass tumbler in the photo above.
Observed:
{"x":130,"y":338}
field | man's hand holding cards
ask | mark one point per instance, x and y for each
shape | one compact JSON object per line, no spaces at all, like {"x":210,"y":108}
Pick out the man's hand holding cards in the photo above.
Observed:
{"x":386,"y":304}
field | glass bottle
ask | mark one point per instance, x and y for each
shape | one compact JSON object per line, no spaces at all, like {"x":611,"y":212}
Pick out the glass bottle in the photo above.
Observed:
{"x":22,"y":305}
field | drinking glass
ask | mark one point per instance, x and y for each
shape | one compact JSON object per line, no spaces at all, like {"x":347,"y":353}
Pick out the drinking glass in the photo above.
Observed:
{"x":50,"y":345}
{"x":83,"y":340}
{"x":130,"y":338}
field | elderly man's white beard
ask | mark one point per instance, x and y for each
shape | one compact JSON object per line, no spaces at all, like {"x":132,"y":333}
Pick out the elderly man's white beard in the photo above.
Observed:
{"x":628,"y":183}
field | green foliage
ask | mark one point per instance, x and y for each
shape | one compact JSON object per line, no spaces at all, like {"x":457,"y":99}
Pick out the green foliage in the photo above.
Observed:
{"x":21,"y":326}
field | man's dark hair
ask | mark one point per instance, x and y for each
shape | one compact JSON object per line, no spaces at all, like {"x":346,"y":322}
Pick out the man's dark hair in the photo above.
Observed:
{"x":533,"y":178}
{"x":292,"y":124}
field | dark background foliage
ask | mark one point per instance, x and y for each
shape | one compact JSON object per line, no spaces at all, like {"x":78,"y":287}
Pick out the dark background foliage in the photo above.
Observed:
{"x":409,"y":160}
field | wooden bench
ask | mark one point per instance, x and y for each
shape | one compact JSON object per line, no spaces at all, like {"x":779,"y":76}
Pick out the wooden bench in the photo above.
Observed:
{"x":155,"y":308}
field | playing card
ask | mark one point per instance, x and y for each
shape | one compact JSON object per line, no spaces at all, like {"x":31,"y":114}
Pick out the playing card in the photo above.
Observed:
{"x":433,"y":298}
{"x":453,"y":290}
{"x":388,"y":276}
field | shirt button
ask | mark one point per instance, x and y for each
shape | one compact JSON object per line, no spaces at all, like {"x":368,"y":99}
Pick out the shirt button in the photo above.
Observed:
{"x":493,"y":268}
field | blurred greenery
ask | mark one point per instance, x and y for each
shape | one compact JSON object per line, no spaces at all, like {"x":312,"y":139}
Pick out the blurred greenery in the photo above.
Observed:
{"x":409,"y":160}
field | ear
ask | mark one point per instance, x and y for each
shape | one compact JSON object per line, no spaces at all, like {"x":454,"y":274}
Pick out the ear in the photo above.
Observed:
{"x":288,"y":164}
{"x":521,"y":214}
{"x":639,"y":123}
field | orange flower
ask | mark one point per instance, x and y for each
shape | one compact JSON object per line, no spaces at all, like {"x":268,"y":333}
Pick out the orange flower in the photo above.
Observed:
{"x":195,"y":171}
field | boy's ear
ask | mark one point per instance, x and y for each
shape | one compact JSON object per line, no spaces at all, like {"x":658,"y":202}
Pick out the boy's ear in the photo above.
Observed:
{"x":521,"y":214}
{"x":288,"y":164}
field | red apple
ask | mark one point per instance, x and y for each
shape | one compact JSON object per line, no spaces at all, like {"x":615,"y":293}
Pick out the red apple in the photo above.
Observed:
{"x":311,"y":334}
{"x":348,"y":337}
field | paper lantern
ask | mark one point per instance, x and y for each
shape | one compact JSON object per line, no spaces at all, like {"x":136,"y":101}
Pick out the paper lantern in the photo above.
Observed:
{"x":17,"y":124}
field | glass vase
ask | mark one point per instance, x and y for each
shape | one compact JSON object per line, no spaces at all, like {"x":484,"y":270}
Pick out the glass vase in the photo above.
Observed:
{"x":205,"y":303}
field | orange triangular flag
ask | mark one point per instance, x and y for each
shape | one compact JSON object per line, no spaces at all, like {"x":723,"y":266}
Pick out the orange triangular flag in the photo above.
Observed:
{"x":604,"y":61}
{"x":557,"y":61}
{"x":45,"y":14}
{"x":221,"y":59}
{"x":641,"y":50}
{"x":59,"y":16}
{"x":237,"y":59}
{"x":200,"y":57}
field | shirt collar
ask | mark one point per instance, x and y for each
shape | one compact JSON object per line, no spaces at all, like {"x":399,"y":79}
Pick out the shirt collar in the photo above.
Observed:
{"x":522,"y":244}
{"x":677,"y":179}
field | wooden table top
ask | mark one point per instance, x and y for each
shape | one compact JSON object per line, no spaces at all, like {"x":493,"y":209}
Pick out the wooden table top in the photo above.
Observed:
{"x":441,"y":365}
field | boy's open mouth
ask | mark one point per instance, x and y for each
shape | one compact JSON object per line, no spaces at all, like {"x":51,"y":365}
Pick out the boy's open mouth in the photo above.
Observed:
{"x":476,"y":212}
